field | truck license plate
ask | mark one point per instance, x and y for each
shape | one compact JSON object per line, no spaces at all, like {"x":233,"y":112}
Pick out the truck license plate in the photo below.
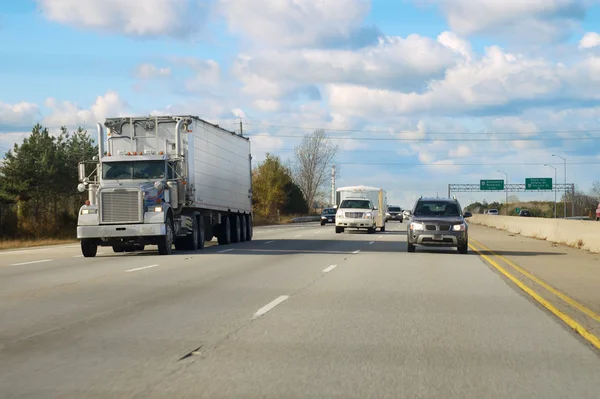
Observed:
{"x":353,"y":224}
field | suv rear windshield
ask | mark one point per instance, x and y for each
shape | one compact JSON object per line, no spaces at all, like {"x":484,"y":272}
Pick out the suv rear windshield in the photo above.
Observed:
{"x":437,"y":208}
{"x":356,"y":204}
{"x":394,"y":209}
{"x":329,"y":211}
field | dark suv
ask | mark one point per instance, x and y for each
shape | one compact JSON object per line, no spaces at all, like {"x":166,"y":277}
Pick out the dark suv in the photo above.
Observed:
{"x":438,"y":222}
{"x":395,"y":213}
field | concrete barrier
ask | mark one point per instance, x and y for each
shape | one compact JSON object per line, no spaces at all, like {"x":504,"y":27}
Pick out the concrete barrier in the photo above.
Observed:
{"x":581,"y":234}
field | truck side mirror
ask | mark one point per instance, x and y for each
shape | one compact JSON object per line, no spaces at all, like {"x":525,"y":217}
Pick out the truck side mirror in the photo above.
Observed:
{"x":82,"y":175}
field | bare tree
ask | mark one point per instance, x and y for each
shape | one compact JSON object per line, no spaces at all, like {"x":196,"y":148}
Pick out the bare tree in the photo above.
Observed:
{"x":313,"y":158}
{"x":595,"y":191}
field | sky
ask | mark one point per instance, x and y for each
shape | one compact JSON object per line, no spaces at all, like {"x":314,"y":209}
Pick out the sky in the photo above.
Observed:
{"x":417,"y":94}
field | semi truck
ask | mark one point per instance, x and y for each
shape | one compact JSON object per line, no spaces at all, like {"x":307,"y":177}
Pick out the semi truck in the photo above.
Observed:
{"x":166,"y":181}
{"x":376,"y":195}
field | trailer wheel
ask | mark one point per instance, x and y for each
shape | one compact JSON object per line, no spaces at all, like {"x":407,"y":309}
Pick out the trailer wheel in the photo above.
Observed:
{"x":382,"y":229}
{"x":224,"y":235}
{"x":243,"y":228}
{"x":165,"y":243}
{"x":249,"y":228}
{"x":89,"y":248}
{"x":117,"y":249}
{"x":201,"y":232}
{"x":235,"y":229}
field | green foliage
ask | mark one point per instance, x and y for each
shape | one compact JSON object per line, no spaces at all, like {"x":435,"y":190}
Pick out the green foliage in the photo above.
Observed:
{"x":40,"y":177}
{"x":274,"y":192}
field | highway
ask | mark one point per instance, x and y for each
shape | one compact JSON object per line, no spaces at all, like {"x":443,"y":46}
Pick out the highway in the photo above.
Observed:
{"x":298,"y":312}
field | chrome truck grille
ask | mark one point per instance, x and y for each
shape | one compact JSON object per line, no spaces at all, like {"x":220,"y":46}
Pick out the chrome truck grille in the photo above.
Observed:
{"x":354,"y":215}
{"x":120,"y":206}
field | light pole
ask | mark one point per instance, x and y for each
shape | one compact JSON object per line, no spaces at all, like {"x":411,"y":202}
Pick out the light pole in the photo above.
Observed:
{"x":554,"y":188}
{"x":506,"y":189}
{"x":565,"y":201}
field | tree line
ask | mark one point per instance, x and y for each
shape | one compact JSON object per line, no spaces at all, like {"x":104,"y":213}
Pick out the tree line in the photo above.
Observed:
{"x":39,"y":177}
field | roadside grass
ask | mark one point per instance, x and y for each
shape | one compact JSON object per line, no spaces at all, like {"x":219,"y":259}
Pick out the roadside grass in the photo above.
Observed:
{"x":16,"y":244}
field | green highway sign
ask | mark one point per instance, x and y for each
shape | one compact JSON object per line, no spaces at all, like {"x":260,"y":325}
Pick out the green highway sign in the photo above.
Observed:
{"x":538,"y":183}
{"x":491,"y":185}
{"x":518,"y":210}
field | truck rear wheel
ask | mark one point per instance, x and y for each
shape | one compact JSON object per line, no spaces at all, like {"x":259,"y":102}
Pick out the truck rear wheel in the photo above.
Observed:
{"x":190,"y":241}
{"x":165,"y":244}
{"x":339,"y":230}
{"x":224,"y":235}
{"x":89,"y":248}
{"x":118,"y":249}
{"x":243,"y":228}
{"x":235,"y":229}
{"x":201,"y":232}
{"x":249,"y":228}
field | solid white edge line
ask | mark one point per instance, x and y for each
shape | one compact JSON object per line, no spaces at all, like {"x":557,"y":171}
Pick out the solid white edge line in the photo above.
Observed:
{"x":269,"y":306}
{"x":356,"y":252}
{"x":140,"y":268}
{"x":372,"y":242}
{"x":330,"y":268}
{"x":226,"y":250}
{"x":31,"y":263}
{"x":269,"y":242}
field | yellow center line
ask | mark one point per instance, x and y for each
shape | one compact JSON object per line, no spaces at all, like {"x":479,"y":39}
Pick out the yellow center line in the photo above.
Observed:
{"x":566,"y":319}
{"x":547,"y":286}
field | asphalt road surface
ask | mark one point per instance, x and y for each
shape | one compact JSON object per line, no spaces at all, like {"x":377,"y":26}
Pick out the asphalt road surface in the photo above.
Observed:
{"x":298,"y":312}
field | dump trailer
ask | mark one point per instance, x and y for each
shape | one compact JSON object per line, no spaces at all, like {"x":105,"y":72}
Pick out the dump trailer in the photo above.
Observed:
{"x":378,"y":196}
{"x":165,"y":181}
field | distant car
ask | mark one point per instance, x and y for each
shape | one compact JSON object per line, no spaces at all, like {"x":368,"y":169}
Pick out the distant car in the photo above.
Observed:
{"x":395,"y":213}
{"x":492,"y":212}
{"x":328,"y":216}
{"x":525,"y":213}
{"x":438,"y":222}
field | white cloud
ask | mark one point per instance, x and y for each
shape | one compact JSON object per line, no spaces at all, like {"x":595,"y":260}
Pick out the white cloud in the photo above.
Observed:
{"x":19,"y":114}
{"x":176,"y":18}
{"x":70,"y":114}
{"x":394,"y":62}
{"x":497,"y":81}
{"x":531,"y":20}
{"x":589,"y":40}
{"x":151,"y":71}
{"x":460,"y":152}
{"x":294,"y":23}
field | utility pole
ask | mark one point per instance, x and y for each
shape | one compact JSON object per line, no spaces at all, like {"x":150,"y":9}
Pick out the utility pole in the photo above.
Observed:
{"x":241,"y":128}
{"x":565,"y":201}
{"x":333,"y":185}
{"x":554,"y":188}
{"x":506,"y":190}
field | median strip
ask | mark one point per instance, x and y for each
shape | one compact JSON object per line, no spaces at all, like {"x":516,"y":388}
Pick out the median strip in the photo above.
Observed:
{"x":547,"y":286}
{"x":591,"y":338}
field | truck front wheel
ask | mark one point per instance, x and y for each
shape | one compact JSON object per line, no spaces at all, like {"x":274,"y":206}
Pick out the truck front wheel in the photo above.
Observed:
{"x":89,"y":247}
{"x":165,"y":243}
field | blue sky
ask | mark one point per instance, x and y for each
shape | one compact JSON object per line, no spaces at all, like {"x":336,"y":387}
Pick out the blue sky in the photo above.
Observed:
{"x":464,"y":88}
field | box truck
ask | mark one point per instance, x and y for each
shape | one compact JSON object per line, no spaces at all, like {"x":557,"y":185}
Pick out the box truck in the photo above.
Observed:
{"x":378,"y":198}
{"x":165,"y":181}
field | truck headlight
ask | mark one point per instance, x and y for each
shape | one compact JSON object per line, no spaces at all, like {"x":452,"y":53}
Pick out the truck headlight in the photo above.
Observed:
{"x":368,"y":215}
{"x":89,"y":211}
{"x":155,"y":209}
{"x":459,"y":227}
{"x":339,"y":215}
{"x":416,"y":226}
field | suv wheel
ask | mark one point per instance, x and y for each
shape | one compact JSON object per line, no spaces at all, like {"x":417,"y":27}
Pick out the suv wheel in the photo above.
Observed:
{"x":410,"y":247}
{"x":464,"y":249}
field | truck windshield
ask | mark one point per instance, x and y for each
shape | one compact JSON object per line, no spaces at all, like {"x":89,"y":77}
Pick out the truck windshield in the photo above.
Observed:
{"x":357,"y":204}
{"x":133,"y":170}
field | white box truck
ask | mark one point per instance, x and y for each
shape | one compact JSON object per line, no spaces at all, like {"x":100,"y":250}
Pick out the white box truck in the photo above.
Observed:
{"x":166,"y":181}
{"x":378,"y":198}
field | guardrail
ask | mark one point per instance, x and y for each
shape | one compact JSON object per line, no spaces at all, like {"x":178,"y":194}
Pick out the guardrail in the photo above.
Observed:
{"x":306,"y":219}
{"x":575,"y":233}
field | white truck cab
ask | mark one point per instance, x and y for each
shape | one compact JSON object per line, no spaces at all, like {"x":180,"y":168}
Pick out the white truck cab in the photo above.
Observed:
{"x":356,"y":213}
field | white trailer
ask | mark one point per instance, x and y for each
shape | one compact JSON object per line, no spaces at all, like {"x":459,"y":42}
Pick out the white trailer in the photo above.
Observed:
{"x":377,"y":196}
{"x":166,"y":180}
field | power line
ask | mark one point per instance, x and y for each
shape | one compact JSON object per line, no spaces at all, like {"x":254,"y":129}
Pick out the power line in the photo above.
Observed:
{"x":428,"y":133}
{"x":424,"y":139}
{"x":499,"y":152}
{"x":460,"y":164}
